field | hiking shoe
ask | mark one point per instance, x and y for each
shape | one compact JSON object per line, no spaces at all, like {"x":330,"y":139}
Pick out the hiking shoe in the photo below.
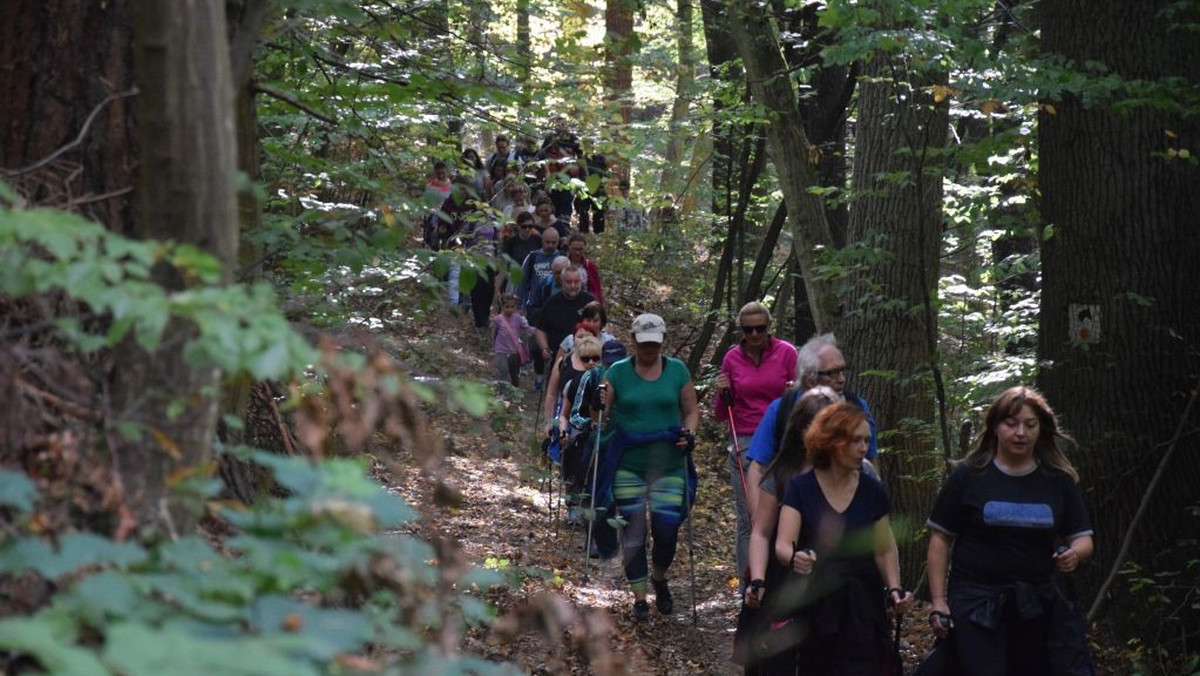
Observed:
{"x":662,"y":596}
{"x":641,"y":611}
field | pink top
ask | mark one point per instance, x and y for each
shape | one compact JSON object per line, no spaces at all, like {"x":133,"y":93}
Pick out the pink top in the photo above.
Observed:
{"x":755,"y":386}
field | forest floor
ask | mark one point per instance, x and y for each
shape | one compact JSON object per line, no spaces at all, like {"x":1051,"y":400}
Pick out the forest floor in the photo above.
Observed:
{"x":555,"y":616}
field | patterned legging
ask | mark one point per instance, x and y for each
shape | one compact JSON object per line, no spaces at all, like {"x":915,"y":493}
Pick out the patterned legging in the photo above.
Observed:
{"x":665,"y":490}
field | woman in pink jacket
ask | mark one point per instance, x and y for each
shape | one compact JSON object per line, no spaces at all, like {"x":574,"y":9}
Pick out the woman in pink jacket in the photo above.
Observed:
{"x":753,"y":374}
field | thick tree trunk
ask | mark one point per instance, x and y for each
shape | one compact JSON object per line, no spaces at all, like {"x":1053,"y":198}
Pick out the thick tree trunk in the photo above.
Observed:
{"x":757,"y":42}
{"x":525,"y":61}
{"x":63,"y":61}
{"x":618,"y":66}
{"x":890,"y":327}
{"x":185,"y":193}
{"x":1119,"y":326}
{"x":685,"y":78}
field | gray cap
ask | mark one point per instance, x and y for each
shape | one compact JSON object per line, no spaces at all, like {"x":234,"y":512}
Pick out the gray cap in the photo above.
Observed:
{"x":648,"y":328}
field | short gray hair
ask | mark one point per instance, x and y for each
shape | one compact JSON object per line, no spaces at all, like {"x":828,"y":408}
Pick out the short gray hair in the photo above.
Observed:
{"x":808,"y":357}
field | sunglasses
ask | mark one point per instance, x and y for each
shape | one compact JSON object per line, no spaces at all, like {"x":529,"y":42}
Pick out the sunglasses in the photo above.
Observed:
{"x":526,"y":226}
{"x":590,"y":359}
{"x":761,"y":328}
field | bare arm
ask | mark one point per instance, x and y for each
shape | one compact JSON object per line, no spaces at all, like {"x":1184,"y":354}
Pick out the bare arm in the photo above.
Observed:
{"x":551,"y":394}
{"x":754,"y":476}
{"x":1080,"y":550}
{"x":799,"y":560}
{"x":765,"y":516}
{"x":937,"y":563}
{"x":887,"y":560}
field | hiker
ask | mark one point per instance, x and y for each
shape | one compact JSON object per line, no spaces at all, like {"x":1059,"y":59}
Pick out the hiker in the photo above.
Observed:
{"x":753,"y":374}
{"x":594,"y":316}
{"x":536,"y":267}
{"x":504,"y":155}
{"x":519,"y":201}
{"x":560,"y":313}
{"x":770,"y":596}
{"x":473,"y":170}
{"x":509,"y":331}
{"x":584,"y":409}
{"x":652,"y":408}
{"x":480,"y":241}
{"x":545,"y":219}
{"x":590,"y":206}
{"x":834,"y":533}
{"x":818,"y":362}
{"x":576,"y":251}
{"x":563,"y":374}
{"x":564,"y":161}
{"x":1009,"y":520}
{"x":438,"y":187}
{"x":516,"y":248}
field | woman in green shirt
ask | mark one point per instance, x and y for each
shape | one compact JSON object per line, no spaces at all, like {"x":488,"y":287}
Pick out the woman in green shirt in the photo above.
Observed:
{"x":650,"y":396}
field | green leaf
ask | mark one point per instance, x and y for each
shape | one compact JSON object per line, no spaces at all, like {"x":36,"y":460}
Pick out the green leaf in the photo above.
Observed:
{"x":75,"y":550}
{"x":139,"y":650}
{"x":43,"y":638}
{"x":16,"y":490}
{"x":325,"y":632}
{"x":107,"y":594}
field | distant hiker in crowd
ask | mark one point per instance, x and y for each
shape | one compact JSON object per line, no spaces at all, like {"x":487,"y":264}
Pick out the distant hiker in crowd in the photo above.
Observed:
{"x":509,"y":331}
{"x":753,"y":374}
{"x":766,"y":641}
{"x":516,"y":249}
{"x":564,"y":161}
{"x":652,"y":408}
{"x":519,"y":201}
{"x":818,"y":362}
{"x":474,"y":171}
{"x":438,"y":187}
{"x":834,"y":532}
{"x":547,"y":287}
{"x":594,"y":316}
{"x":623,"y":216}
{"x":560,"y":313}
{"x":545,"y":219}
{"x":1008,"y":522}
{"x":577,"y":252}
{"x":503,"y":156}
{"x":590,"y":206}
{"x":537,"y":267}
{"x":485,"y":294}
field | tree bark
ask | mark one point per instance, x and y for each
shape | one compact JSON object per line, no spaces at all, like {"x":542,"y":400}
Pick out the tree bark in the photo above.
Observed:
{"x":186,"y":193}
{"x":64,"y":60}
{"x":1118,"y":255}
{"x":685,"y":78}
{"x":892,"y":327}
{"x":757,"y":42}
{"x":618,"y":66}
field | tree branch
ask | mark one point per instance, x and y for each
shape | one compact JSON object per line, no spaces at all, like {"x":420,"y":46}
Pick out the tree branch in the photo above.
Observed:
{"x":291,"y":100}
{"x":7,"y":173}
{"x":1127,"y":541}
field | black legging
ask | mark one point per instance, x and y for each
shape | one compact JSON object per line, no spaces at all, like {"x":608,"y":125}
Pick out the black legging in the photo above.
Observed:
{"x":481,"y":298}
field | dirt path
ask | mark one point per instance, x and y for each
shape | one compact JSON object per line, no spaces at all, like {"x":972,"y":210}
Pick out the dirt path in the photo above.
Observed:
{"x":505,"y":521}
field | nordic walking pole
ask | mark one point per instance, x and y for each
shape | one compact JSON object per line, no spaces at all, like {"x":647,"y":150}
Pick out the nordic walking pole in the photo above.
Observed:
{"x":737,"y":451}
{"x":691,"y":536}
{"x":587,"y":544}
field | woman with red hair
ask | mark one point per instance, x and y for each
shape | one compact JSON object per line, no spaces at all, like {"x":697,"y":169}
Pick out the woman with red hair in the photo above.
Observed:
{"x":834,"y":531}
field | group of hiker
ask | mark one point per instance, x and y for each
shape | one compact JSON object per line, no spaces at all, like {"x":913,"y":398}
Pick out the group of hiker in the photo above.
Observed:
{"x":817,"y":561}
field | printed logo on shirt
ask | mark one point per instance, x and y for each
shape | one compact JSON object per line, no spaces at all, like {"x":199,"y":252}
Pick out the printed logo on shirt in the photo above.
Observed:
{"x":1018,"y":514}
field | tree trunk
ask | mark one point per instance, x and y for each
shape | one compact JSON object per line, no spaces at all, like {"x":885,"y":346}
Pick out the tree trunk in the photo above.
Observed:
{"x":618,"y":66}
{"x":685,"y":78}
{"x":64,"y":60}
{"x":891,"y":329}
{"x":525,"y":61}
{"x":758,"y":43}
{"x":186,"y":194}
{"x":1119,"y":327}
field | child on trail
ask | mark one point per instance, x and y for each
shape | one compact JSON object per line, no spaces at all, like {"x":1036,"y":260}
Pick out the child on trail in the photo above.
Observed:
{"x":508,"y":344}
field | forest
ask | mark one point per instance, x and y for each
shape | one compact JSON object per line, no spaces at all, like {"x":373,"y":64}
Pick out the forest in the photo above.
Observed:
{"x":247,"y":425}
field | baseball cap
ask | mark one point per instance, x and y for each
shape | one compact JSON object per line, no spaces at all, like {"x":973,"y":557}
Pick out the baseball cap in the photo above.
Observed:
{"x":648,"y":328}
{"x":613,"y":352}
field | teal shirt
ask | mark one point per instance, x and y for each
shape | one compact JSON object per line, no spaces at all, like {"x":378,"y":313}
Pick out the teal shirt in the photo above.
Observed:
{"x":643,"y":406}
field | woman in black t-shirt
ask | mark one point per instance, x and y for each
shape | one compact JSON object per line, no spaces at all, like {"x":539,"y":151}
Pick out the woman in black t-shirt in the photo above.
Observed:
{"x":1009,"y":519}
{"x":834,"y":531}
